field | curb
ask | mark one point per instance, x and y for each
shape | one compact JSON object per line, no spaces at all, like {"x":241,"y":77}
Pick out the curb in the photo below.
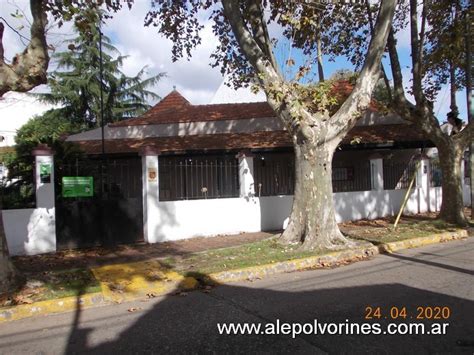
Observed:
{"x":422,"y":241}
{"x":246,"y":274}
{"x":58,"y":305}
{"x":332,"y":259}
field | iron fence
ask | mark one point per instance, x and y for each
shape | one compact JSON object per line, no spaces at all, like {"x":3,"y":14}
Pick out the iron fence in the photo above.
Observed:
{"x":274,"y":174}
{"x":435,"y":174}
{"x":397,"y":175}
{"x":198,"y":177}
{"x":350,"y":178}
{"x":118,"y":176}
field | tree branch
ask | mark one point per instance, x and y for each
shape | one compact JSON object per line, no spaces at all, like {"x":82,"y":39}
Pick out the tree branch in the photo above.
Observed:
{"x":358,"y":101}
{"x":260,"y":31}
{"x":398,"y":90}
{"x":415,"y":53}
{"x":384,"y":73}
{"x":29,"y":68}
{"x":465,"y":137}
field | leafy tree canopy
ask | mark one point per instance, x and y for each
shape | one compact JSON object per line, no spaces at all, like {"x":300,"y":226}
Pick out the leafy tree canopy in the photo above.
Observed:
{"x":76,"y":83}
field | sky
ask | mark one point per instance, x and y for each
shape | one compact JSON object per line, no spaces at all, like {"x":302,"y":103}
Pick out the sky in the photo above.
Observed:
{"x":194,"y":78}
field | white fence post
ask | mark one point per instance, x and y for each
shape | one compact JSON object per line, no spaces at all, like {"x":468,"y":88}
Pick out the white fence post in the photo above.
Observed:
{"x":44,"y":176}
{"x":42,"y":224}
{"x":423,"y":184}
{"x":376,"y":172}
{"x":246,"y":181}
{"x":150,"y":193}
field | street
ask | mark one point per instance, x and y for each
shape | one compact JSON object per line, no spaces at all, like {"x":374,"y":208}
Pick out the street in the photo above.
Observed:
{"x":439,"y":275}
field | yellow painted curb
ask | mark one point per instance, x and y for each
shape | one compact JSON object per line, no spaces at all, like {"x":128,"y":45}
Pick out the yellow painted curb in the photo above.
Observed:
{"x":313,"y":262}
{"x":126,"y":282}
{"x":131,"y":281}
{"x":43,"y":308}
{"x":422,"y":241}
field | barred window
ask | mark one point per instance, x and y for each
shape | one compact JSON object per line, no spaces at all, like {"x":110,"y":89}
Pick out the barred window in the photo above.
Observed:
{"x":397,"y":175}
{"x":274,"y":174}
{"x":198,"y":177}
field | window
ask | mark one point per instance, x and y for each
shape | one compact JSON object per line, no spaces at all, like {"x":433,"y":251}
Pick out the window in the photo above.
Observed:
{"x":198,"y":177}
{"x":397,"y":175}
{"x":274,"y":174}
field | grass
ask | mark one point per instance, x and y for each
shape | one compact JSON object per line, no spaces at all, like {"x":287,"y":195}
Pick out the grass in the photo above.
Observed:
{"x":251,"y":254}
{"x":382,"y":231}
{"x":51,"y":285}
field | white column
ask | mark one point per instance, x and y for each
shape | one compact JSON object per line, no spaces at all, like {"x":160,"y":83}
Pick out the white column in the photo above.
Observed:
{"x":150,"y":194}
{"x":247,"y":185}
{"x":44,"y":176}
{"x":42,"y":224}
{"x":423,"y":184}
{"x":376,"y":170}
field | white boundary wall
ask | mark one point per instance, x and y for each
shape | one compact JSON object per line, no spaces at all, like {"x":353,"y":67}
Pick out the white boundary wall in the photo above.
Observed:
{"x":30,"y":231}
{"x":174,"y":220}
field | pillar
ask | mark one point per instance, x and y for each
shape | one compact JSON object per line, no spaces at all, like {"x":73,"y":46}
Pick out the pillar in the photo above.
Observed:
{"x":42,"y":224}
{"x":246,"y":181}
{"x":423,"y":183}
{"x":150,"y":194}
{"x":376,"y":171}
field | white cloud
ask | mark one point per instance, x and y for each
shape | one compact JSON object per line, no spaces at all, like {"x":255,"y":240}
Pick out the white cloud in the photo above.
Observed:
{"x":194,"y":78}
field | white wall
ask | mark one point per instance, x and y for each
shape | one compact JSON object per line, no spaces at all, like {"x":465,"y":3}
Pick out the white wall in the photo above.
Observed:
{"x":30,"y":231}
{"x":467,"y":195}
{"x":184,"y":219}
{"x":174,"y":220}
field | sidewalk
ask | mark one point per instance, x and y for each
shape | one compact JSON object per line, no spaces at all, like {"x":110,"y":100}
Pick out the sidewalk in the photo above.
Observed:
{"x":99,"y":276}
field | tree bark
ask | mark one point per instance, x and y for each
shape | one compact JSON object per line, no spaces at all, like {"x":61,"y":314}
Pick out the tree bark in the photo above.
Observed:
{"x":452,"y":204}
{"x":313,"y":217}
{"x":9,"y":277}
{"x":28,"y":69}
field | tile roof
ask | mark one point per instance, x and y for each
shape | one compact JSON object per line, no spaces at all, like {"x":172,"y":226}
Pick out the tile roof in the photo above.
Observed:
{"x":256,"y":140}
{"x":175,"y":108}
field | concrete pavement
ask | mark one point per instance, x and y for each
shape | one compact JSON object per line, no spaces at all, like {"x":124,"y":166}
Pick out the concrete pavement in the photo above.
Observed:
{"x":437,"y":275}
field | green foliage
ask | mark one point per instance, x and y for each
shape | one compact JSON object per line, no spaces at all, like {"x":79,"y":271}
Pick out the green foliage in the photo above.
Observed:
{"x":76,"y":83}
{"x":48,"y":129}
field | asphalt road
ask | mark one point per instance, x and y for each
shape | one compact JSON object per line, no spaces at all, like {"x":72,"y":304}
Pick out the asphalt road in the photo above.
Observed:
{"x":440,"y":275}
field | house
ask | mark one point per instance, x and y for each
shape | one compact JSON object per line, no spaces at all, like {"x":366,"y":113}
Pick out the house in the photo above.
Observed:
{"x":182,"y":170}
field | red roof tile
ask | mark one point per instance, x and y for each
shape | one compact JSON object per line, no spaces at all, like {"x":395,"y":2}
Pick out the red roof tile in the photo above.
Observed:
{"x":175,"y":108}
{"x":256,"y":140}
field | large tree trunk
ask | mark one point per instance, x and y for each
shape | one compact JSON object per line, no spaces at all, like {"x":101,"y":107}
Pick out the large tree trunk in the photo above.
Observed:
{"x":9,"y":277}
{"x":313,"y":218}
{"x":452,"y":199}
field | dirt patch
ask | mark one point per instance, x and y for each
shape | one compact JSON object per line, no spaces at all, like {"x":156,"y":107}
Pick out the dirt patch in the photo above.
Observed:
{"x":92,"y":257}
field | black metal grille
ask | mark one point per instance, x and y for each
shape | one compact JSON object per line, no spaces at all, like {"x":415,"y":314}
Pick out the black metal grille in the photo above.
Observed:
{"x":397,"y":175}
{"x":350,"y":178}
{"x":119,"y":178}
{"x":435,"y":174}
{"x":198,"y":177}
{"x":274,"y":174}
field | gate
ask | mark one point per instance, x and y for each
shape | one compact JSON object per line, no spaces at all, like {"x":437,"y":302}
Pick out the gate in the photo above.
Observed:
{"x":112,"y":215}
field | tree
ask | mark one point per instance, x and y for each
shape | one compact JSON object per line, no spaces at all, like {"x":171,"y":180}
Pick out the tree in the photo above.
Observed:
{"x":29,"y":69}
{"x":76,"y":83}
{"x":437,"y":58}
{"x":246,"y":49}
{"x":48,"y":128}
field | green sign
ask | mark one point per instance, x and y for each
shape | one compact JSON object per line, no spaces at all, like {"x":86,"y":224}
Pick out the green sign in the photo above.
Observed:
{"x":45,"y":173}
{"x":78,"y":186}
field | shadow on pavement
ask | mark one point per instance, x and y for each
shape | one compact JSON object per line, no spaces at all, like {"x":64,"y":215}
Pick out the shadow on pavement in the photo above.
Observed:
{"x":189,"y":324}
